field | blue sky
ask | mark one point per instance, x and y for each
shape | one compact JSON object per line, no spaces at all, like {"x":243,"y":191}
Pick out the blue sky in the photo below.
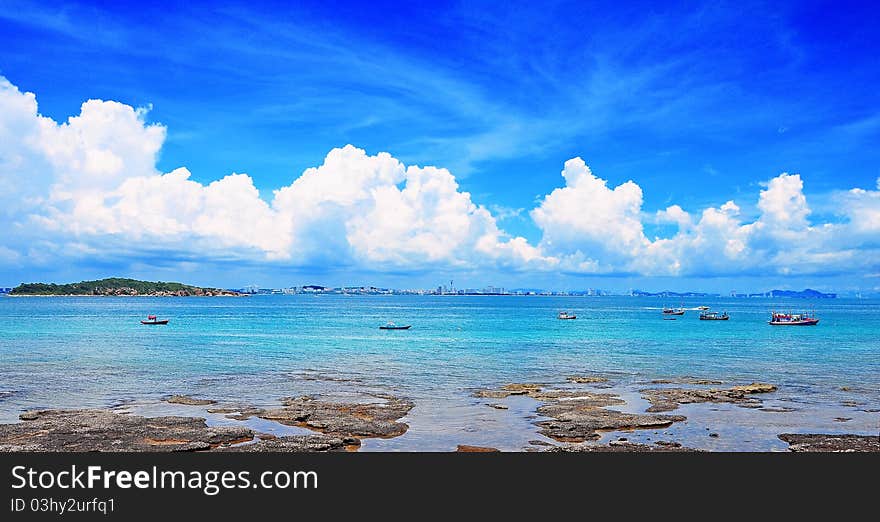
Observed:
{"x":697,"y":104}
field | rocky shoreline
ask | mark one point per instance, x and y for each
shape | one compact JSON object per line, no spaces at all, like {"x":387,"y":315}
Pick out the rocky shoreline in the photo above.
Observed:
{"x":579,"y":415}
{"x":375,"y":419}
{"x":824,"y":443}
{"x":338,"y":426}
{"x":105,"y":430}
{"x":668,"y":399}
{"x":575,"y":413}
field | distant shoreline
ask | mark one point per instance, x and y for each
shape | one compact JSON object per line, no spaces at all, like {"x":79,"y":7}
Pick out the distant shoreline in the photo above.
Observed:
{"x":118,"y":286}
{"x":353,"y":294}
{"x":135,"y":295}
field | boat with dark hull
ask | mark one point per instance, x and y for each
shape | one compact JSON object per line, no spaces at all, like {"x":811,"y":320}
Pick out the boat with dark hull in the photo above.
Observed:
{"x":153,"y":320}
{"x":714,"y":316}
{"x":790,"y":319}
{"x":673,"y":311}
{"x":566,"y":316}
{"x":392,"y":326}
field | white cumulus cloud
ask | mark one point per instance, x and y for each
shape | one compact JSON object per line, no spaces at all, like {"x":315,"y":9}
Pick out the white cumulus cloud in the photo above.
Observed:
{"x":89,"y":187}
{"x":598,"y":225}
{"x":92,"y":180}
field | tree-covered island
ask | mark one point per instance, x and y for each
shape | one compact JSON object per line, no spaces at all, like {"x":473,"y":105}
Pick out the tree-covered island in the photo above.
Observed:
{"x":119,"y":286}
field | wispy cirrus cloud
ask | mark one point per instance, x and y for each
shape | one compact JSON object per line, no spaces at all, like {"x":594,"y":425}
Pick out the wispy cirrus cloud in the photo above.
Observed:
{"x":479,"y":106}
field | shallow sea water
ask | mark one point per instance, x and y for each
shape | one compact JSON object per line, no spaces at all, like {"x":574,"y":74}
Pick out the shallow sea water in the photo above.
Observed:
{"x":71,"y":352}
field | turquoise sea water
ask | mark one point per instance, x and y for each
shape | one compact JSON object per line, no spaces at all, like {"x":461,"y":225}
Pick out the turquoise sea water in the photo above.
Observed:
{"x":77,"y":352}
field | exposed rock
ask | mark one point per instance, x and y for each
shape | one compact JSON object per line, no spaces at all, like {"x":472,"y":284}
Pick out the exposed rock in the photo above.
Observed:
{"x":714,"y":435}
{"x":607,"y":399}
{"x":519,"y":388}
{"x":536,"y":391}
{"x":188,"y":401}
{"x":373,"y":419}
{"x":464,"y":448}
{"x":755,"y":387}
{"x":586,"y":379}
{"x":297,"y":444}
{"x":830,"y":443}
{"x":499,"y":406}
{"x":686,"y":380}
{"x":842,"y":419}
{"x":4,"y":394}
{"x":579,"y":415}
{"x":104,"y":430}
{"x":623,"y":447}
{"x":575,"y":421}
{"x":318,"y":376}
{"x":668,"y":399}
{"x":509,"y":389}
{"x":237,"y":412}
{"x":778,"y":409}
{"x":668,"y":444}
{"x":540,"y":443}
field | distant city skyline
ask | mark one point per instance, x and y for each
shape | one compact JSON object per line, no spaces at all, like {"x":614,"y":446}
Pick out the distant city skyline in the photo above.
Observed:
{"x":563,"y":146}
{"x":451,"y":289}
{"x":494,"y":290}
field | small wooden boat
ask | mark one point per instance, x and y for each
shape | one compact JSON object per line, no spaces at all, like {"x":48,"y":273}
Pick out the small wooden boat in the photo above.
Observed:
{"x":673,"y":311}
{"x":392,"y":326}
{"x":714,"y":316}
{"x":790,"y":319}
{"x":152,"y":319}
{"x":566,"y":316}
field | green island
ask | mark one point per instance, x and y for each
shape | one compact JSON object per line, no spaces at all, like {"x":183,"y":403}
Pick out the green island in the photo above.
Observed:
{"x":118,"y":286}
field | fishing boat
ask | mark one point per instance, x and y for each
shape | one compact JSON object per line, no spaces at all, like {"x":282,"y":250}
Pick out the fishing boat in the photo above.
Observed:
{"x":673,"y":311}
{"x":566,"y":315}
{"x":790,"y":319}
{"x":714,"y":316}
{"x":392,"y":326}
{"x":152,"y":319}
